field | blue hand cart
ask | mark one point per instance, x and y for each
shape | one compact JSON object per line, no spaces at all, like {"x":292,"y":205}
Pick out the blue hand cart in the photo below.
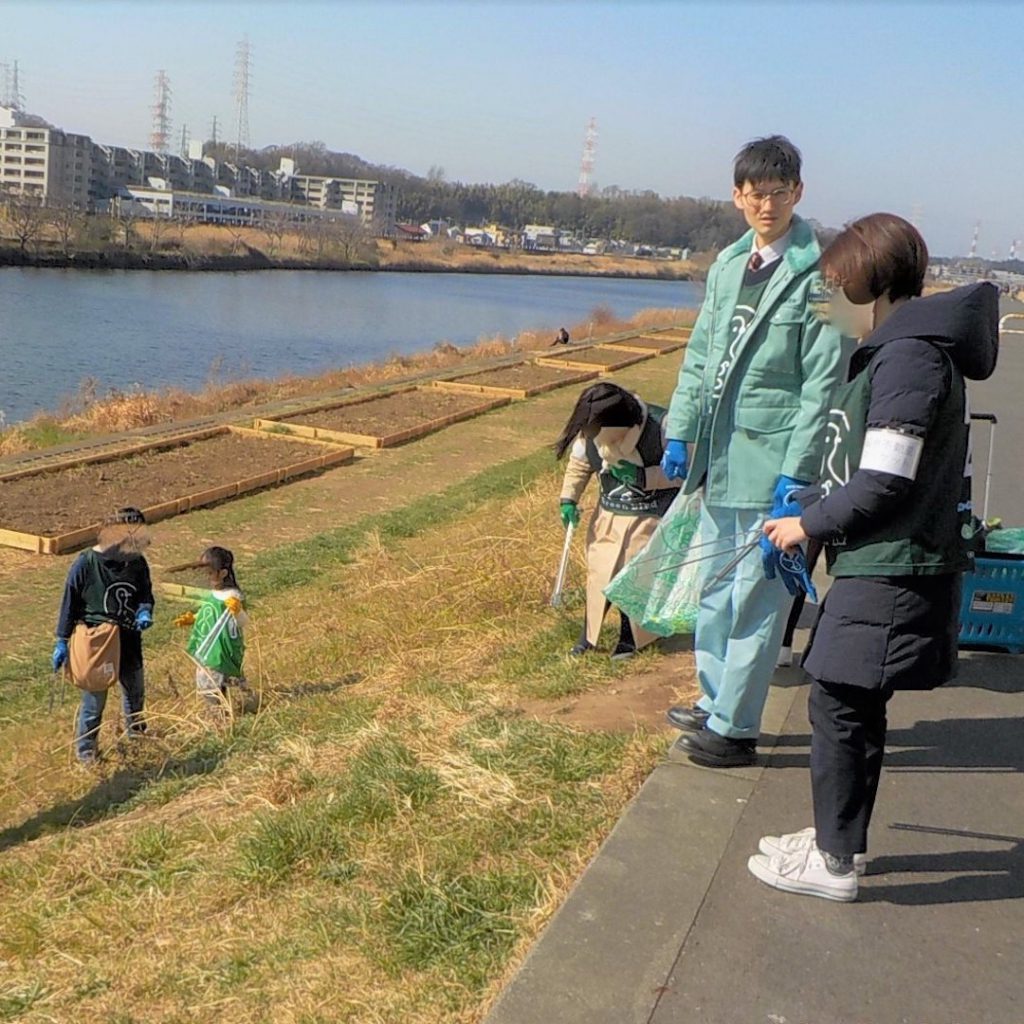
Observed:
{"x":992,"y":608}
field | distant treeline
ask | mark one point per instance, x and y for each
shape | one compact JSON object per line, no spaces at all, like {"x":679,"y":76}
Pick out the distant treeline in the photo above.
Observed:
{"x":696,"y":224}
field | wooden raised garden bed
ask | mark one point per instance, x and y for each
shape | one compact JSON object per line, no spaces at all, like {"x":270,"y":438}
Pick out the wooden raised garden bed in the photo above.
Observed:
{"x":381,"y":421}
{"x":59,"y":508}
{"x":659,"y":346}
{"x":674,"y":333}
{"x":604,"y":360}
{"x":520,"y":381}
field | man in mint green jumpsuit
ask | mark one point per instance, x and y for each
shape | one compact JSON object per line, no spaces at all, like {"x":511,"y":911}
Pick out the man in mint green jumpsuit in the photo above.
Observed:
{"x":746,"y":423}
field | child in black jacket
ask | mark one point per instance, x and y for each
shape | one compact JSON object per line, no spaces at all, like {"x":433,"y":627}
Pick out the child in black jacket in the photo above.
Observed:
{"x":110,"y":583}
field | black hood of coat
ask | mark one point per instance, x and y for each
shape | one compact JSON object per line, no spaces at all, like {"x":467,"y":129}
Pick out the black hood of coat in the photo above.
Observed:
{"x":963,"y":322}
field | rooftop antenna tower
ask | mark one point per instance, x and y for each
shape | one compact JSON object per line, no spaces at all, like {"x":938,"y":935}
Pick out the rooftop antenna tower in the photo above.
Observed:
{"x":974,"y":241}
{"x":184,"y":142}
{"x":160,"y":137}
{"x":243,"y":59}
{"x":587,"y":162}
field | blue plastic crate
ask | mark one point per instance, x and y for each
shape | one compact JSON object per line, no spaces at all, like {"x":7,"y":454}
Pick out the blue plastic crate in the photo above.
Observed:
{"x":992,"y":610}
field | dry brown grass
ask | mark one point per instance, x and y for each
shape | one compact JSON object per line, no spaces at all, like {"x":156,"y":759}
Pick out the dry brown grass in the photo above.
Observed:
{"x":147,"y":907}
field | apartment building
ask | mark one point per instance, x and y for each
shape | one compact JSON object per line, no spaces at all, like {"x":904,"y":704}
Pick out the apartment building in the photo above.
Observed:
{"x":59,"y":167}
{"x":41,"y":161}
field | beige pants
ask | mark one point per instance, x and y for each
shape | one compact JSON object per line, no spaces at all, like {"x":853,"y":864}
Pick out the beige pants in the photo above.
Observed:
{"x":612,"y":540}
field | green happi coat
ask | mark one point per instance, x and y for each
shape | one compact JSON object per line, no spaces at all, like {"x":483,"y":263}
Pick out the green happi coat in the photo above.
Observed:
{"x":217,"y":641}
{"x":753,"y":405}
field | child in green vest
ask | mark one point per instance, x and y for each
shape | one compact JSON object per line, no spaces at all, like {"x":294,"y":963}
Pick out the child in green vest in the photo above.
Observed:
{"x":217,"y":642}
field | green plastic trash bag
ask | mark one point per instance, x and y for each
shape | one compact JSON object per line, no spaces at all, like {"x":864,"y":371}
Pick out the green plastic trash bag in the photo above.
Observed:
{"x":1008,"y":540}
{"x":663,"y":602}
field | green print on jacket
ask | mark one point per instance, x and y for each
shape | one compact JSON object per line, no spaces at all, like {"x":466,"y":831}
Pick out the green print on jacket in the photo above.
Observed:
{"x":216,"y":640}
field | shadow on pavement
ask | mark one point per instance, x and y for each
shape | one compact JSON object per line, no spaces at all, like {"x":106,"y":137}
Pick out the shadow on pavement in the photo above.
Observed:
{"x":980,"y":874}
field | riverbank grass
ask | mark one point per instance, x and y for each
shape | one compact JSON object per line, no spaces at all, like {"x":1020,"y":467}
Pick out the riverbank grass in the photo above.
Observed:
{"x":373,"y":834}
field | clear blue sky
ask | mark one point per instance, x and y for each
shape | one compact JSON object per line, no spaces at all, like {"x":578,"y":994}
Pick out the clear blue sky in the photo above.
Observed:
{"x":913,"y":108}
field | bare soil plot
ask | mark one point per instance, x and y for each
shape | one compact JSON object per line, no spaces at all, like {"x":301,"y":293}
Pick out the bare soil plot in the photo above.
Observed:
{"x":519,"y":381}
{"x":659,"y":346}
{"x":676,"y":333}
{"x":382,"y":421}
{"x":61,"y":508}
{"x":604,"y":360}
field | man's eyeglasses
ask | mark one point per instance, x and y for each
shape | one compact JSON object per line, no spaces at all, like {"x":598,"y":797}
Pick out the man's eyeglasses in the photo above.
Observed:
{"x":756,"y":199}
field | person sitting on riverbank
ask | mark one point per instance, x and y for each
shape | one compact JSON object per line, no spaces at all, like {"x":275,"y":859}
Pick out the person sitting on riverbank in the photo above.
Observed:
{"x":561,"y":338}
{"x":614,"y":435}
{"x":107,"y":585}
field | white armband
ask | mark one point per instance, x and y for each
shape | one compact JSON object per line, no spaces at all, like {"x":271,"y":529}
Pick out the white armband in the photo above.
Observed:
{"x":891,"y":451}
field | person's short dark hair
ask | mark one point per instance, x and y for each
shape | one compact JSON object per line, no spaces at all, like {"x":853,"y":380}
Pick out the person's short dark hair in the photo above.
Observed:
{"x":880,"y":254}
{"x":773,"y":158}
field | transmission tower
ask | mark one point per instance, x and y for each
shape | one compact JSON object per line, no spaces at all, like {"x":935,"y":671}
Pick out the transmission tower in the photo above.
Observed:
{"x":214,"y":137}
{"x":243,"y":58}
{"x":974,"y":241}
{"x":11,"y":94}
{"x":587,"y":161}
{"x":184,"y":142}
{"x":160,"y":137}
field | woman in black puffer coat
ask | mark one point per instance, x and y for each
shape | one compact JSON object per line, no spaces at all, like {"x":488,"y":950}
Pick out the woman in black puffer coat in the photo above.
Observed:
{"x":893,"y":509}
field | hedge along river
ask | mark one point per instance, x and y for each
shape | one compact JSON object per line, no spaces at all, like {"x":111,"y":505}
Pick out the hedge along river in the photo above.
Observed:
{"x":146,"y":329}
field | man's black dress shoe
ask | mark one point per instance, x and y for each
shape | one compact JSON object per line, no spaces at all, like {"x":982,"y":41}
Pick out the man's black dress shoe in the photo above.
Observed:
{"x":713,"y":751}
{"x":691,"y":719}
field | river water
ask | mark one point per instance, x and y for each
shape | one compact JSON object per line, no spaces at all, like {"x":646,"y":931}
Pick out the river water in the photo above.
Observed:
{"x":128,"y":329}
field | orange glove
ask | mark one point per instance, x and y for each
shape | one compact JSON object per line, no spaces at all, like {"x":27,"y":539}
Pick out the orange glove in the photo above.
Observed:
{"x":233,"y":605}
{"x":185,"y":619}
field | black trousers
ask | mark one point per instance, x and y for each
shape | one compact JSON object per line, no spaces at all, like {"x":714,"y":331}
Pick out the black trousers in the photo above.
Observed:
{"x":848,"y":725}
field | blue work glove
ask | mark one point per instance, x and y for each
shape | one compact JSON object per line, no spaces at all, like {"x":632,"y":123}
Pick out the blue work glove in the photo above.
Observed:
{"x":673,"y":462}
{"x":795,"y":574}
{"x":143,"y":618}
{"x":60,"y":653}
{"x":570,"y":513}
{"x":783,"y":502}
{"x":627,"y":473}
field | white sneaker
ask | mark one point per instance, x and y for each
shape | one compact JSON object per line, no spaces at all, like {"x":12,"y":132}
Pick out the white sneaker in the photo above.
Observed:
{"x":785,"y":659}
{"x":803,"y":872}
{"x":793,"y":841}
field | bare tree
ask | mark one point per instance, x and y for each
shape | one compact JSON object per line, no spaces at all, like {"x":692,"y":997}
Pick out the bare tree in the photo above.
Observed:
{"x":125,"y":215}
{"x":158,"y":229}
{"x":25,"y":216}
{"x":274,"y":226}
{"x":68,"y":222}
{"x":350,"y":238}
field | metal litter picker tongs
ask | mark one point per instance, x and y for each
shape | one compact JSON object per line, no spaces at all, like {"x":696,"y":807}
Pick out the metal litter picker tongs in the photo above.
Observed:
{"x":563,"y":565}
